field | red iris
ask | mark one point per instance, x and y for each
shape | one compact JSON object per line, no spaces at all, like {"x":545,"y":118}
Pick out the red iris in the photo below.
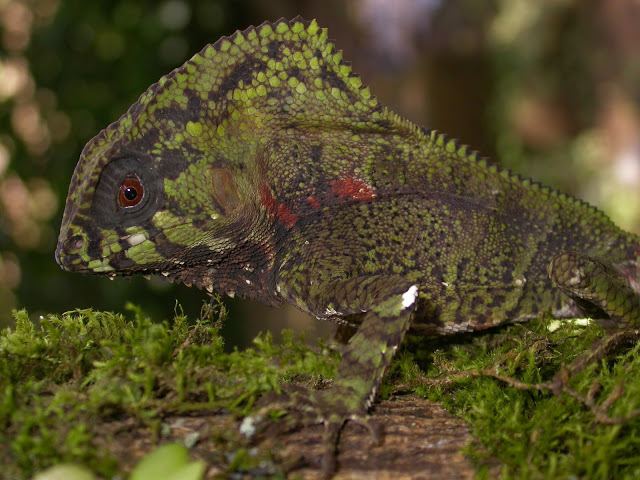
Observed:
{"x":131,"y":192}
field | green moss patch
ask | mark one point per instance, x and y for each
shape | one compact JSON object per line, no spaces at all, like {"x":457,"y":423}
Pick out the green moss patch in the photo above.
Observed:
{"x":64,"y":381}
{"x":587,"y":428}
{"x":71,"y":380}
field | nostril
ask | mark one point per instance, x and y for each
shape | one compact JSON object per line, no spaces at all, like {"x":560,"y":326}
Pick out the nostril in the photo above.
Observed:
{"x":74,"y":243}
{"x":68,"y":250}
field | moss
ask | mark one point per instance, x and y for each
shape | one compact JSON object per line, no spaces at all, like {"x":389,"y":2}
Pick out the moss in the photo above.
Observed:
{"x":61,"y":380}
{"x":534,"y":433}
{"x":64,"y":379}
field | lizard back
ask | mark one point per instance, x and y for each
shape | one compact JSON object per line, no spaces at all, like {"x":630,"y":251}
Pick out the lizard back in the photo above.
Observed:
{"x":267,"y":138}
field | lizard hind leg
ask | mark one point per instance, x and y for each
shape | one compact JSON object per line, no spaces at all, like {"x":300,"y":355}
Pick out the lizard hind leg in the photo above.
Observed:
{"x":590,"y":280}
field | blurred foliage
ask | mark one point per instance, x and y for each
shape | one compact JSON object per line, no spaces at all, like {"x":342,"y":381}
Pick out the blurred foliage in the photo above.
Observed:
{"x":548,"y":88}
{"x":566,"y":106}
{"x":68,"y":69}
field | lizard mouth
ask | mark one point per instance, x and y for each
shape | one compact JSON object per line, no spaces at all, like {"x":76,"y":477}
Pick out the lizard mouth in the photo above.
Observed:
{"x":72,"y":262}
{"x":77,"y":254}
{"x":71,"y":253}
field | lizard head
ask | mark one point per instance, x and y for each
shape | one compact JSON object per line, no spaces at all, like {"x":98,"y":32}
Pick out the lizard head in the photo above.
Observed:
{"x":152,"y":192}
{"x":135,"y":207}
{"x":179,"y":180}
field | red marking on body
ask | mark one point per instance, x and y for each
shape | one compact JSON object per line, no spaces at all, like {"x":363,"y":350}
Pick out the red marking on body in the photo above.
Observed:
{"x":276,"y":209}
{"x":286,"y":216}
{"x":313,"y":202}
{"x":354,"y":188}
{"x":267,"y":199}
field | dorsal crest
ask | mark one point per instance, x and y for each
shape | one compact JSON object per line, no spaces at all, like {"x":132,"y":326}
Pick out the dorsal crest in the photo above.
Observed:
{"x":287,"y":72}
{"x":245,"y":87}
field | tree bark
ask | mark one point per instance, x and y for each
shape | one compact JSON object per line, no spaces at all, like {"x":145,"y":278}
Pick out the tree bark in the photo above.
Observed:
{"x":421,"y":441}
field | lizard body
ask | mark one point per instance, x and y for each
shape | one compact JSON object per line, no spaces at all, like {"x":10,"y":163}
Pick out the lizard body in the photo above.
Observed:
{"x":263,"y":167}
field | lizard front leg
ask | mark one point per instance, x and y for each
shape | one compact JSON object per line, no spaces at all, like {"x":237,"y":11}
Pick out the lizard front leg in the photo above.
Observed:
{"x":597,"y":283}
{"x":387,"y":304}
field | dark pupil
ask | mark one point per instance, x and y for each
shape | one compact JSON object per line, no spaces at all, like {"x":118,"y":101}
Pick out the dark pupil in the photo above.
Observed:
{"x":130,"y":193}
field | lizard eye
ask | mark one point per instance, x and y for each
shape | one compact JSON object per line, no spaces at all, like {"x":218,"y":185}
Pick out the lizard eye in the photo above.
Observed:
{"x":128,"y":192}
{"x":131,"y":192}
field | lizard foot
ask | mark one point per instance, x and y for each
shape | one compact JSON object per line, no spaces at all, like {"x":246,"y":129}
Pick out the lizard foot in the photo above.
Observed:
{"x":333,"y":428}
{"x":299,"y":408}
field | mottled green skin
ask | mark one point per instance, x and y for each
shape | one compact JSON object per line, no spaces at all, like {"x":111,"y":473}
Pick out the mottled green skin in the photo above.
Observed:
{"x":271,"y":172}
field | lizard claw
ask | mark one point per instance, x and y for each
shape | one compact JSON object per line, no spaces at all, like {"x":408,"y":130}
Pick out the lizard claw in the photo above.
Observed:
{"x":330,"y":441}
{"x":331,"y":438}
{"x":374,"y":428}
{"x":306,"y":410}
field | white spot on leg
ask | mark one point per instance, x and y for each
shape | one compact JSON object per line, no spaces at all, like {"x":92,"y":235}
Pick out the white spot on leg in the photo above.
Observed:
{"x":409,"y":297}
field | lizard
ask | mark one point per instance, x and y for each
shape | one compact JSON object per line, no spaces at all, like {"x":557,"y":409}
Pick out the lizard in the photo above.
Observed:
{"x":264,"y":168}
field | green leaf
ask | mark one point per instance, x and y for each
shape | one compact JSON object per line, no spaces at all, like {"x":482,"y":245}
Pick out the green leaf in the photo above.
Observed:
{"x":163,"y":462}
{"x":192,"y":471}
{"x":66,"y":472}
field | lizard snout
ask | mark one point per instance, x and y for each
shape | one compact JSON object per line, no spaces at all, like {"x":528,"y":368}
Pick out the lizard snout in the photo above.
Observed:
{"x":68,"y":251}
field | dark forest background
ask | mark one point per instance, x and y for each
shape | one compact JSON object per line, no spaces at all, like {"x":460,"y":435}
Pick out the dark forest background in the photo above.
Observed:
{"x":549,"y":88}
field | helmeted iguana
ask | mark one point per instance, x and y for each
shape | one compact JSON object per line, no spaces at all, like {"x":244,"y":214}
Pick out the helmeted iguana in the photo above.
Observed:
{"x":263,"y":167}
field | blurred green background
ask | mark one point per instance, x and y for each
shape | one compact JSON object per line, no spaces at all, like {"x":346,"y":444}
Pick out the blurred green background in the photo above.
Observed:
{"x":548,"y":88}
